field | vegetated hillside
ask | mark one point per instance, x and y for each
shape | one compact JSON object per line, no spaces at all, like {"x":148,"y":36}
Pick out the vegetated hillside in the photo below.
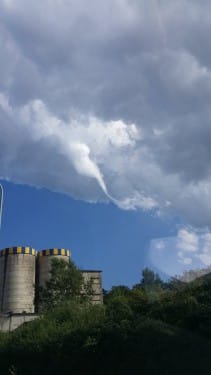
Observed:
{"x":191,"y":275}
{"x":153,"y":328}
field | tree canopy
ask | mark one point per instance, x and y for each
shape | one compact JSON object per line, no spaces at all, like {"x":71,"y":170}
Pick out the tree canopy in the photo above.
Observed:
{"x":132,"y":333}
{"x":149,"y":277}
{"x":66,"y":282}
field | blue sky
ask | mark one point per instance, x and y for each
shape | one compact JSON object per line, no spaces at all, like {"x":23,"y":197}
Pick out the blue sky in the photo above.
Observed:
{"x":105,"y":136}
{"x":100,"y":236}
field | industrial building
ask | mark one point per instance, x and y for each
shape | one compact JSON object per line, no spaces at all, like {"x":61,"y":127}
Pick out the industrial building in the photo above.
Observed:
{"x":24,"y":268}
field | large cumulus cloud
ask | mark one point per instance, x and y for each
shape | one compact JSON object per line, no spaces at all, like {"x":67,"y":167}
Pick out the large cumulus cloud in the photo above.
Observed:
{"x":109,"y":100}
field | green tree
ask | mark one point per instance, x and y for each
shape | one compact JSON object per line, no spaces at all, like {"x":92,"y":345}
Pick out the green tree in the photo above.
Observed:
{"x":66,"y":282}
{"x":149,"y":277}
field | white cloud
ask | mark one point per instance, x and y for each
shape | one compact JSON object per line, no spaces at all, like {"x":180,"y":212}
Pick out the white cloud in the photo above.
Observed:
{"x":137,"y":201}
{"x":73,"y":141}
{"x":160,"y":245}
{"x":207,"y":243}
{"x":187,"y":241}
{"x":189,"y":249}
{"x":192,"y":241}
{"x":184,"y":260}
{"x":204,"y":254}
{"x":205,"y":258}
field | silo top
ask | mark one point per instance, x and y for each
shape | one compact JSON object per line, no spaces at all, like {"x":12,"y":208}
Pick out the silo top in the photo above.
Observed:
{"x":18,"y":250}
{"x":54,"y":251}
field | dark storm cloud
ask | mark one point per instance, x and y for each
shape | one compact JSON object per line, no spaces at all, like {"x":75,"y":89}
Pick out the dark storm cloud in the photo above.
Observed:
{"x":131,"y":79}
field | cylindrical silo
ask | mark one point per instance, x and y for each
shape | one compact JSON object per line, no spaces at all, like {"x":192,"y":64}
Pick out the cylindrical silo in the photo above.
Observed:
{"x":17,"y":279}
{"x":44,"y":259}
{"x":93,"y":278}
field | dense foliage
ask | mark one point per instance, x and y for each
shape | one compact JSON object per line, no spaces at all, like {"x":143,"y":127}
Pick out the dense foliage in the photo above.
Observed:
{"x":153,"y":328}
{"x":65,"y":282}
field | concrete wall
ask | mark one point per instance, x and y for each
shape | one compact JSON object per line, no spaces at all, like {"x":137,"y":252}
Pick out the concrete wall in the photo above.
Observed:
{"x":11,"y":322}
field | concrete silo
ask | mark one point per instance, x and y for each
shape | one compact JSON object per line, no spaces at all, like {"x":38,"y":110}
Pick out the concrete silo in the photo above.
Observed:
{"x":44,"y":258}
{"x":17,"y":279}
{"x":94,"y":279}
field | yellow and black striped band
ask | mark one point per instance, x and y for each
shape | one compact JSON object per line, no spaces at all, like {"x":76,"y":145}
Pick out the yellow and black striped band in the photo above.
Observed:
{"x":18,"y":250}
{"x":54,"y":251}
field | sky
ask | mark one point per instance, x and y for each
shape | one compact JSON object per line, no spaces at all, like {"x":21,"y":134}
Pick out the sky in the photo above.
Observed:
{"x":105,"y":132}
